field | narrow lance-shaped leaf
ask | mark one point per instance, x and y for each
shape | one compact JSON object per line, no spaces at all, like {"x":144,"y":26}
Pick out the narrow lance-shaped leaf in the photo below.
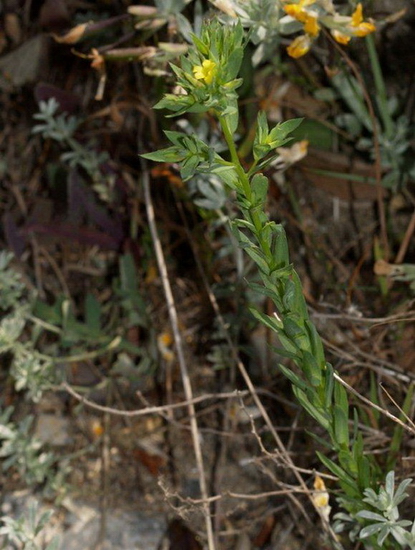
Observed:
{"x":170,"y":154}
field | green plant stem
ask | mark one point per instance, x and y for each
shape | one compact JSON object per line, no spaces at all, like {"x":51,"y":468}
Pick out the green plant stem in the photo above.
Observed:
{"x":246,"y":186}
{"x":235,"y":159}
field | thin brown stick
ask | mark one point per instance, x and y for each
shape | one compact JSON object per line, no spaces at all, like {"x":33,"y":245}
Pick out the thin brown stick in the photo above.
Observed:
{"x":406,"y":240}
{"x":373,"y":405}
{"x":150,"y":410}
{"x":403,"y":413}
{"x":180,"y":353}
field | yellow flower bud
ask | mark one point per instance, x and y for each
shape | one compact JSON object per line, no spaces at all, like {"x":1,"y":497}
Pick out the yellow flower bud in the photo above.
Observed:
{"x":359,"y":27}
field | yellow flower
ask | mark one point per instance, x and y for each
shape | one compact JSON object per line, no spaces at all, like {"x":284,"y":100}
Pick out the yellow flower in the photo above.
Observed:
{"x":297,"y":11}
{"x":299,"y":46}
{"x":364,"y":29}
{"x":206,"y":71}
{"x":340,"y":37}
{"x":164,"y":341}
{"x":321,"y":497}
{"x":359,"y":27}
{"x":311,"y":25}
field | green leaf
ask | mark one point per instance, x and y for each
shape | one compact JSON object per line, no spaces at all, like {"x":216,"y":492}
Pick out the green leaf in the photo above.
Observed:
{"x":289,"y":296}
{"x":271,"y":322}
{"x":261,"y":289}
{"x":200,"y":45}
{"x":174,"y":102}
{"x":340,"y":473}
{"x":244,"y":223}
{"x":299,"y":305}
{"x":320,"y":440}
{"x":171,"y":154}
{"x":350,"y":91}
{"x":292,"y":328}
{"x":261,"y":146}
{"x":295,"y":332}
{"x":341,"y":426}
{"x":262,"y":128}
{"x":280,"y":248}
{"x":175,"y":137}
{"x":51,"y":314}
{"x":261,"y":150}
{"x":285,"y":353}
{"x":311,"y":369}
{"x":292,"y":377}
{"x":279,"y":275}
{"x":231,"y":115}
{"x":234,"y":63}
{"x":367,"y":514}
{"x":288,"y":344}
{"x":189,"y":166}
{"x":319,"y":415}
{"x":315,"y":341}
{"x":329,"y":386}
{"x":259,"y":184}
{"x":363,"y":470}
{"x":258,"y":257}
{"x":279,"y":133}
{"x":341,"y":399}
{"x":92,"y":313}
{"x":253,"y":251}
{"x":228,"y":176}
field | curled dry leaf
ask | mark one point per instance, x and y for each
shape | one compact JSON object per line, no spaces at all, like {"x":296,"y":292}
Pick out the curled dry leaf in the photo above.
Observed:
{"x":72,"y":36}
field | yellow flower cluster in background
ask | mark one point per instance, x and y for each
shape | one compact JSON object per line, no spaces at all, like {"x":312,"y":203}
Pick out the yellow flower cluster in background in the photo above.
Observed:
{"x":313,"y":14}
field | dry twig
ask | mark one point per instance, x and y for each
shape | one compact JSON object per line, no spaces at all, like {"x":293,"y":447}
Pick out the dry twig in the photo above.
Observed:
{"x":180,"y":354}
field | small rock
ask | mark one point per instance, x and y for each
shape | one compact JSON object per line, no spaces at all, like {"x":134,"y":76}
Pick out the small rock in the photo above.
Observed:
{"x":53,"y":429}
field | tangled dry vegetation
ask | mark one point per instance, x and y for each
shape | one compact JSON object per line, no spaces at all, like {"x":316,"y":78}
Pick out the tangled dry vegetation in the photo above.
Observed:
{"x":137,"y":289}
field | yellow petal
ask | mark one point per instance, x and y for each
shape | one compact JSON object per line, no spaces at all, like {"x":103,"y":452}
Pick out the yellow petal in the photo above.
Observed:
{"x":357,"y":15}
{"x":321,"y":496}
{"x":340,"y":37}
{"x":319,"y":484}
{"x":364,"y":29}
{"x":295,"y":11}
{"x":299,"y":46}
{"x":311,"y":25}
{"x":206,"y":71}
